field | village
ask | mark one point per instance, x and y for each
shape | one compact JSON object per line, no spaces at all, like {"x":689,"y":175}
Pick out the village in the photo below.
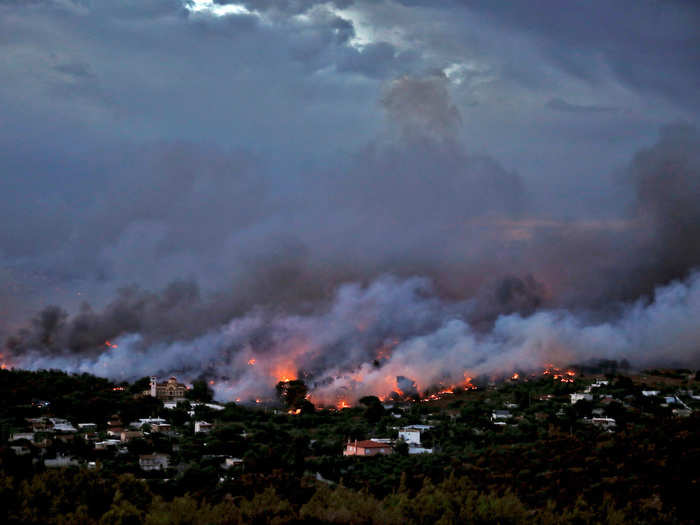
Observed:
{"x":167,"y":439}
{"x":175,"y":431}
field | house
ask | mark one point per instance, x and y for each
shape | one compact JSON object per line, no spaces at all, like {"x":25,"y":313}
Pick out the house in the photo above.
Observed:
{"x":114,"y":426}
{"x":410,"y":436}
{"x":128,"y":435}
{"x":575,"y":398}
{"x":29,"y":436}
{"x":650,"y":393}
{"x":104,"y":445}
{"x":66,"y":428}
{"x":87,"y":427}
{"x":61,"y":461}
{"x":154,"y":461}
{"x":366,"y":448}
{"x":231,"y":462}
{"x":161,"y":427}
{"x":150,"y":421}
{"x":604,"y":422}
{"x":202,"y":426}
{"x":40,"y":424}
{"x":64,"y":438}
{"x":169,"y":390}
{"x":498,"y":416}
{"x":20,"y":450}
{"x":213,"y":406}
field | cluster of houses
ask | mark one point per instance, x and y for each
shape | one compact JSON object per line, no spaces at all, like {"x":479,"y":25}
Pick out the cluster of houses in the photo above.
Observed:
{"x":410,"y":435}
{"x":41,"y":432}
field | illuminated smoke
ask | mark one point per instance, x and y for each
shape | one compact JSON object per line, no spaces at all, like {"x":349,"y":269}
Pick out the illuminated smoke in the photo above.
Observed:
{"x":342,"y":352}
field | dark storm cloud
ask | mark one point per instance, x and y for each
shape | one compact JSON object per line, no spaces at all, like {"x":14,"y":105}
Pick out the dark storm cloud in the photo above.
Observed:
{"x":637,"y":40}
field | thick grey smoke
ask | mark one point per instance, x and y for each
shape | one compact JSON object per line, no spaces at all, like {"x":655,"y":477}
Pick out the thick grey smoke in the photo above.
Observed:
{"x":411,"y":257}
{"x":397,"y":335}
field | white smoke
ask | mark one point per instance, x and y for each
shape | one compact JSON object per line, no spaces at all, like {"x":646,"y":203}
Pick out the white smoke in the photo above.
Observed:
{"x":370,"y":335}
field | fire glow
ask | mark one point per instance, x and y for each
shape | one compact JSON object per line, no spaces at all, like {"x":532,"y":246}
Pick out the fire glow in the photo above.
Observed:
{"x":565,"y":376}
{"x":108,"y":344}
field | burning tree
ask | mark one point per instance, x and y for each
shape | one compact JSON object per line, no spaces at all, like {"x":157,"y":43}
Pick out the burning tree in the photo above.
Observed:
{"x":293,"y":394}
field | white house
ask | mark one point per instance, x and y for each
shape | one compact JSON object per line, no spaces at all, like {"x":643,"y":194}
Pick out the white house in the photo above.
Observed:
{"x":202,"y":426}
{"x":64,"y":427}
{"x":575,"y":398}
{"x":61,"y":461}
{"x":102,"y":445}
{"x":650,"y":393}
{"x":147,"y":421}
{"x":604,"y":422}
{"x":410,"y":435}
{"x":29,"y":436}
{"x":154,"y":461}
{"x":500,"y":415}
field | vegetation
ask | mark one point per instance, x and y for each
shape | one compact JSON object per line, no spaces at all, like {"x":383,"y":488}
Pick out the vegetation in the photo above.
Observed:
{"x":547,"y":465}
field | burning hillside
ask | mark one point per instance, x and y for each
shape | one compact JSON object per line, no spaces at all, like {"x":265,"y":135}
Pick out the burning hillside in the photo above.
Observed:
{"x":394,"y":339}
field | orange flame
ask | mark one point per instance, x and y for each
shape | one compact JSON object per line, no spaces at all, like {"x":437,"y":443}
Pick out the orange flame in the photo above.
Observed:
{"x":251,"y":361}
{"x":110,"y":345}
{"x":559,"y":375}
{"x":468,"y":385}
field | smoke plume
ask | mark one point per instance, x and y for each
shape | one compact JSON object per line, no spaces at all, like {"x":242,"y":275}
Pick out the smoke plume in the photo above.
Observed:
{"x":411,"y":258}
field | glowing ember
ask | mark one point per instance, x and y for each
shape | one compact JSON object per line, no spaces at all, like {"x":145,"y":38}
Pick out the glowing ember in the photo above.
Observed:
{"x":515,"y":377}
{"x":251,"y":361}
{"x":294,"y":412}
{"x":212,"y":382}
{"x":110,"y":345}
{"x":343,"y":404}
{"x":118,"y":388}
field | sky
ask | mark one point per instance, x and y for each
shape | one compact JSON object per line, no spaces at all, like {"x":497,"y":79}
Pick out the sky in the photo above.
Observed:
{"x":168,"y":167}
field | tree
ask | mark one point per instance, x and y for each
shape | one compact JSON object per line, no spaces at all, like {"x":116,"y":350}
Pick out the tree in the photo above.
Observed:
{"x":401,"y":448}
{"x":140,"y":385}
{"x":200,"y":391}
{"x":374,"y":411}
{"x":292,"y":393}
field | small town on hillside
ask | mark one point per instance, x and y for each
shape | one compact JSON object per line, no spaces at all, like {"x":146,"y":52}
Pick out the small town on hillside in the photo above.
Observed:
{"x":176,"y":438}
